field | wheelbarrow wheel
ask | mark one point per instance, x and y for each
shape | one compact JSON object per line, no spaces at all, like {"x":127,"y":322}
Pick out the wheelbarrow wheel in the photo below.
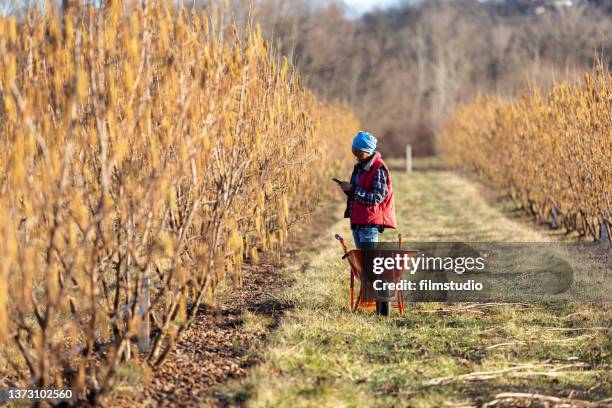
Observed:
{"x":382,"y":308}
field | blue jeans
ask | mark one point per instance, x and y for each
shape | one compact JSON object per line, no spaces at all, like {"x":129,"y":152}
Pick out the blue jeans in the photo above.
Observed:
{"x":371,"y":235}
{"x":365,"y":235}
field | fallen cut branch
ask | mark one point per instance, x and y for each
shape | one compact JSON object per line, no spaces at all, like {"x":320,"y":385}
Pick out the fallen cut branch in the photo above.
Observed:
{"x":512,"y":343}
{"x":583,"y":337}
{"x":451,"y":311}
{"x":524,"y":343}
{"x":516,"y":372}
{"x":493,"y":304}
{"x":557,"y":401}
{"x":575,"y":328}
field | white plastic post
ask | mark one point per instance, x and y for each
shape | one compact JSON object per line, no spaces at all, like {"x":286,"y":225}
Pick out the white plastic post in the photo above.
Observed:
{"x":145,"y":304}
{"x":408,"y":159}
{"x":604,"y":237}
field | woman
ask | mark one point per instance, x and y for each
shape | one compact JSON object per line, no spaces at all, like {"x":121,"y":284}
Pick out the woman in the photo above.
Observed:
{"x":370,"y":204}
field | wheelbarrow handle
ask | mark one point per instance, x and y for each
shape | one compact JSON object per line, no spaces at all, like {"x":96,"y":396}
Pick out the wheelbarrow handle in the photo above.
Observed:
{"x":344,"y":246}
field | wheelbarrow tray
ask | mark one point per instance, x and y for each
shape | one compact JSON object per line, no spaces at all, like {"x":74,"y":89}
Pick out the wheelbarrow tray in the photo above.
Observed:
{"x":365,"y":298}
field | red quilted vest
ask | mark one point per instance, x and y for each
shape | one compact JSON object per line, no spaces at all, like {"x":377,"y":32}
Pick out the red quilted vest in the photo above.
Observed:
{"x":379,"y":214}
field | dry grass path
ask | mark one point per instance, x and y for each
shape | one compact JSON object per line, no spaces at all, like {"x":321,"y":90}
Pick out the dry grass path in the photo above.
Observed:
{"x":437,"y":354}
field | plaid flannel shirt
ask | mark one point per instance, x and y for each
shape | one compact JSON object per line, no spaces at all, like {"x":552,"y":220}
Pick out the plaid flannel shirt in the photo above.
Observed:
{"x":372,"y":197}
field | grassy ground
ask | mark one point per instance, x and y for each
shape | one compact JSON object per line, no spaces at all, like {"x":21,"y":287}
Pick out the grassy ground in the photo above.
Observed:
{"x":323,"y":355}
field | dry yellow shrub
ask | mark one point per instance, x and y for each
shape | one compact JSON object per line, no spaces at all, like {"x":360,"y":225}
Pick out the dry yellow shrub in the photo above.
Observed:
{"x":141,"y":144}
{"x":551,"y":152}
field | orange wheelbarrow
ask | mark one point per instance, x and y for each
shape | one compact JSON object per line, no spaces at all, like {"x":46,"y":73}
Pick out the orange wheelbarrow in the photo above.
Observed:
{"x":354,"y":259}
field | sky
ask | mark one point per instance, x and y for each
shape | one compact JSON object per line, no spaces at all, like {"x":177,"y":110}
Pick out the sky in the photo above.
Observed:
{"x":367,"y":5}
{"x":362,"y":6}
{"x":356,"y":8}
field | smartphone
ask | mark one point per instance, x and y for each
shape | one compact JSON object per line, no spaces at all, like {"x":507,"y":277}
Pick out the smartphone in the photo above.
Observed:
{"x":336,"y":180}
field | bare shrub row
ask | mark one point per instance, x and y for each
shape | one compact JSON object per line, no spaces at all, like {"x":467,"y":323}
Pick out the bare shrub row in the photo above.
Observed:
{"x":551,"y":151}
{"x":141,"y":144}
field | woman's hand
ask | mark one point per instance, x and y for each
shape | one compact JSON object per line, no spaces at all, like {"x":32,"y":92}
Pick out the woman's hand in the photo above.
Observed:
{"x":345,"y":186}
